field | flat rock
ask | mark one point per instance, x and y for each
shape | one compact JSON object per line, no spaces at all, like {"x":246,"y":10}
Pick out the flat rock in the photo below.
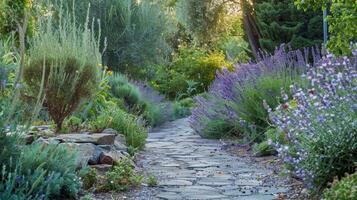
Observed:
{"x":96,"y":138}
{"x":177,"y":182}
{"x":87,"y":152}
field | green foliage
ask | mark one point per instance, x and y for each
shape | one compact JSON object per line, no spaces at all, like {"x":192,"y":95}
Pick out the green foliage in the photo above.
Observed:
{"x":263,"y":149}
{"x":12,"y":12}
{"x":341,"y":20}
{"x":72,"y":124}
{"x":182,"y":108}
{"x":87,"y":197}
{"x":88,"y":176}
{"x":191,"y":73}
{"x":235,"y":48}
{"x":102,"y":122}
{"x":63,"y":60}
{"x":151,"y":181}
{"x":216,"y":129}
{"x":280,"y":22}
{"x":123,"y":89}
{"x":130,"y":126}
{"x":41,"y":172}
{"x":122,"y":177}
{"x":250,"y":107}
{"x":140,"y":99}
{"x":204,"y":19}
{"x":135,"y":31}
{"x":345,"y":189}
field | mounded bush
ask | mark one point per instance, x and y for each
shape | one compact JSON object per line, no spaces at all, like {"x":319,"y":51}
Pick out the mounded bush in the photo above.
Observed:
{"x":234,"y":102}
{"x":192,"y":72}
{"x":320,"y":123}
{"x":344,"y":189}
{"x":130,"y":126}
{"x":41,"y":172}
{"x":63,"y":61}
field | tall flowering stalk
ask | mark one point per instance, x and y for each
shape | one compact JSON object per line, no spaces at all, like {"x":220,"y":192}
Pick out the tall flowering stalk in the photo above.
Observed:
{"x":227,"y":90}
{"x":321,"y":122}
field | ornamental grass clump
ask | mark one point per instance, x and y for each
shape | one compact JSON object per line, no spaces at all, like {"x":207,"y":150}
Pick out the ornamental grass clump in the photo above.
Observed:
{"x":64,"y":57}
{"x":320,"y":123}
{"x":234,"y":102}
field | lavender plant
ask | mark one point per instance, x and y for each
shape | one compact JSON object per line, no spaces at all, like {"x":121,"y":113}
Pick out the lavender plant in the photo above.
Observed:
{"x":234,"y":95}
{"x":321,"y":123}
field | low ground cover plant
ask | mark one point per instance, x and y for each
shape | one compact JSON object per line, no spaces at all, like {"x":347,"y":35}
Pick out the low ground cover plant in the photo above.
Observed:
{"x":122,"y":177}
{"x":343,"y":189}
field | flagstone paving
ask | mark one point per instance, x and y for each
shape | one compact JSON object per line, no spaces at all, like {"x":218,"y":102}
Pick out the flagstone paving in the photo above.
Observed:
{"x":189,"y":167}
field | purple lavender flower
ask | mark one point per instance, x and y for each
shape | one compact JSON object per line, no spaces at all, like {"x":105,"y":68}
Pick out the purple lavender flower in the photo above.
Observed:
{"x":223,"y":93}
{"x":321,"y":128}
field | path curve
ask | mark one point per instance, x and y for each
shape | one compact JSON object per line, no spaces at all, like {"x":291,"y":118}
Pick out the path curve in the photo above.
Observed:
{"x":189,"y":167}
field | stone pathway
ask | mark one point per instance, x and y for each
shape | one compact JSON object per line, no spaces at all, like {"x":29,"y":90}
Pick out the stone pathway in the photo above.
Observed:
{"x":189,"y":167}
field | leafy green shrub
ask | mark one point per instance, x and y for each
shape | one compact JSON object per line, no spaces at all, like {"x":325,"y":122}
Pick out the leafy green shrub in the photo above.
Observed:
{"x":251,"y":109}
{"x":72,"y":124}
{"x":152,"y":181}
{"x":140,"y":99}
{"x":345,"y":189}
{"x":193,"y":69}
{"x":12,"y":12}
{"x":123,"y":89}
{"x":130,"y":126}
{"x":263,"y":149}
{"x":122,"y":177}
{"x":102,"y":122}
{"x":135,"y":31}
{"x":235,"y":48}
{"x":63,"y":61}
{"x":182,"y":108}
{"x":46,"y":172}
{"x":216,"y":129}
{"x":88,"y":176}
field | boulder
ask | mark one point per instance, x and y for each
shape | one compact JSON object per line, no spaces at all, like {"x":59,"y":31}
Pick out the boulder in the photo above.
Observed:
{"x":46,"y":141}
{"x":88,"y":153}
{"x":109,"y":158}
{"x":110,"y":131}
{"x":96,"y":138}
{"x":29,"y":139}
{"x":119,"y":143}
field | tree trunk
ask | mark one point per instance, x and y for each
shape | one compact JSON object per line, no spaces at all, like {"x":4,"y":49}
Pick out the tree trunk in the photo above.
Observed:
{"x":250,"y":27}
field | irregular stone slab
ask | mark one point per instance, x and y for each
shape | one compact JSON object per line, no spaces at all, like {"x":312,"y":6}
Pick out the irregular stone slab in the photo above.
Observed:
{"x":214,"y":182}
{"x":177,"y":182}
{"x":194,"y":189}
{"x":169,"y":196}
{"x":189,"y":167}
{"x":96,"y":138}
{"x":252,"y":182}
{"x":109,"y":158}
{"x":272,"y":190}
{"x":159,"y":144}
{"x":202,"y":165}
{"x":204,"y":197}
{"x":87,"y":152}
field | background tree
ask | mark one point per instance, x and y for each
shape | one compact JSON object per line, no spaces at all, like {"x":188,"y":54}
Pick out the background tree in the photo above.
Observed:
{"x":279,"y":21}
{"x":341,"y":20}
